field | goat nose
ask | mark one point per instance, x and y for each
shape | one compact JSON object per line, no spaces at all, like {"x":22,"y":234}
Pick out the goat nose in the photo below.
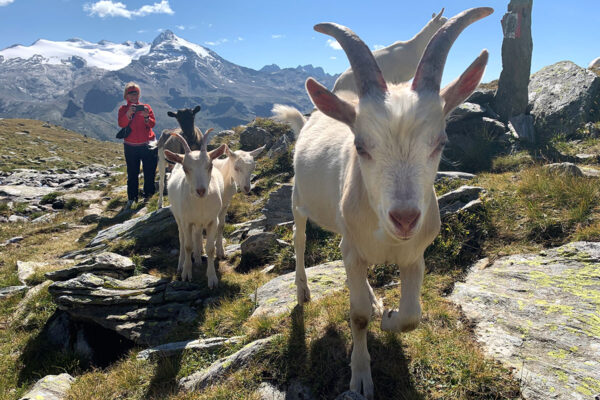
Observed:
{"x":405,"y":219}
{"x":201,"y":192}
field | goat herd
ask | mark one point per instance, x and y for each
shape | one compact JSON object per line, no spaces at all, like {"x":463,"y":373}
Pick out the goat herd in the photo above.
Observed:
{"x":364,"y":163}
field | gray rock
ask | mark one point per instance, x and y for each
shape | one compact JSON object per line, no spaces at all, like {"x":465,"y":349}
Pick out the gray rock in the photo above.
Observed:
{"x":278,"y":296}
{"x":42,"y":219}
{"x":12,"y":240}
{"x":10,"y":290}
{"x":108,"y":264}
{"x":21,"y":316}
{"x":280,"y":147}
{"x":538,"y":313}
{"x":201,"y":379}
{"x":481,"y":96}
{"x":279,"y":206}
{"x":17,"y":219}
{"x":87,"y":195}
{"x":565,"y":168}
{"x":453,"y":175}
{"x":460,"y":199}
{"x":50,"y":387}
{"x":465,"y":111}
{"x":253,"y":137}
{"x":142,"y":308}
{"x":258,"y":248}
{"x":266,"y":391}
{"x":517,"y":46}
{"x":595,"y":63}
{"x":171,"y":349}
{"x":149,"y":229}
{"x":521,"y":127}
{"x":26,"y":269}
{"x":563,"y":97}
{"x":350,"y":395}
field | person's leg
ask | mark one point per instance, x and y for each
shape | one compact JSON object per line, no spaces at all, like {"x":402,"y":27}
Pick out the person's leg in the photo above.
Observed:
{"x":132,"y":159}
{"x":149,"y":162}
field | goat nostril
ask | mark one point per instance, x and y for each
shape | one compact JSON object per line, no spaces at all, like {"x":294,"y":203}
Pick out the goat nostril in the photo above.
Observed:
{"x":405,"y":219}
{"x":201,"y":192}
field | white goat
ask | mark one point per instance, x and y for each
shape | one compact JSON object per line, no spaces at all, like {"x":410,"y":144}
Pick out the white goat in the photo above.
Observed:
{"x":364,"y":167}
{"x":196,"y":193}
{"x":236,"y":169}
{"x":398,"y":61}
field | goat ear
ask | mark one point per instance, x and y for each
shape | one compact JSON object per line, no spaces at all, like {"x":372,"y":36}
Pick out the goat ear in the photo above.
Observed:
{"x":457,"y":91}
{"x":173,"y":157}
{"x":229,"y":152}
{"x":196,"y":109}
{"x":171,"y":114}
{"x":218,"y":152}
{"x":329,"y":104}
{"x":256,"y":152}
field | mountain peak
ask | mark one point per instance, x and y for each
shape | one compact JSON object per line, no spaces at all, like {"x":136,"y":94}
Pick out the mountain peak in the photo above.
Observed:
{"x":164,"y":36}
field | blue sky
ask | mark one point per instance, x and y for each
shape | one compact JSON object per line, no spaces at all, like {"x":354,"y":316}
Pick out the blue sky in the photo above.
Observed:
{"x":255,"y":33}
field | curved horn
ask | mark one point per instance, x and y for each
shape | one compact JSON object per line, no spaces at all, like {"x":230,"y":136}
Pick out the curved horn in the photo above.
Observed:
{"x":186,"y":146}
{"x":429,"y":72}
{"x":206,"y":137}
{"x":437,"y":17}
{"x":367,"y":74}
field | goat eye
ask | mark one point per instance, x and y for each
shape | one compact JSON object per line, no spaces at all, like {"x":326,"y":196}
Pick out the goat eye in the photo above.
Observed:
{"x":362,"y":152}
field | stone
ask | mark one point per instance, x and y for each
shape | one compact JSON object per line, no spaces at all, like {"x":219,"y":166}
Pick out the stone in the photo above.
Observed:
{"x":42,"y":219}
{"x":150,"y":229}
{"x":10,"y":290}
{"x":521,"y":127}
{"x":481,"y":96}
{"x":201,"y":379}
{"x":258,"y":248}
{"x":176,"y":348}
{"x":460,"y":199}
{"x":26,"y":269}
{"x":278,"y":296}
{"x":12,"y":240}
{"x":350,"y":395}
{"x":143,"y":308}
{"x":266,"y":391}
{"x":595,"y":63}
{"x":280,"y":147}
{"x":50,"y":387}
{"x":278,"y":208}
{"x":87,"y":195}
{"x":562,"y":98}
{"x":106,"y":263}
{"x":465,"y":111}
{"x":565,"y":168}
{"x":511,"y":96}
{"x":454,"y":175}
{"x":17,"y":219}
{"x":538,"y":313}
{"x":254,"y":137}
{"x":21,"y":315}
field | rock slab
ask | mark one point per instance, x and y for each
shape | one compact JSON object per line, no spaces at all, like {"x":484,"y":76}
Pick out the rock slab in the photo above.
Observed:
{"x":143,"y":308}
{"x":106,"y":263}
{"x":278,"y":296}
{"x":50,"y":387}
{"x":171,"y":349}
{"x":539,"y":313}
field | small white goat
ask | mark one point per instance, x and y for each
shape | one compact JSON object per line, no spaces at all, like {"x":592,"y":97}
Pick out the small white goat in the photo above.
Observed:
{"x":398,"y":61}
{"x":236,"y":169}
{"x":196,"y":193}
{"x":364,"y":167}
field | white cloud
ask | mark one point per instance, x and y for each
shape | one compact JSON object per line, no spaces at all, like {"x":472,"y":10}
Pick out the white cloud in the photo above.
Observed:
{"x":277,"y":36}
{"x":239,"y":39}
{"x":217,"y":42}
{"x":333,"y":58}
{"x":110,"y":8}
{"x":142,"y":31}
{"x":334,"y":44}
{"x":378,"y":46}
{"x":180,"y":27}
{"x":5,"y":2}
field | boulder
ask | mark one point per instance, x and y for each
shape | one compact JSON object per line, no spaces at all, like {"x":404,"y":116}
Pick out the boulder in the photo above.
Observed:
{"x":201,"y":379}
{"x":565,"y":168}
{"x":176,"y":348}
{"x":563,"y":97}
{"x":106,"y":263}
{"x":148,"y":230}
{"x":454,"y":175}
{"x":538,"y":313}
{"x":254,"y":137}
{"x":481,"y":96}
{"x":461,"y":199}
{"x":278,"y":296}
{"x":465,"y":111}
{"x":27,"y":269}
{"x":142,"y":308}
{"x":278,"y":208}
{"x":280,"y":147}
{"x":10,"y":290}
{"x":258,"y":248}
{"x":521,"y":127}
{"x":50,"y":387}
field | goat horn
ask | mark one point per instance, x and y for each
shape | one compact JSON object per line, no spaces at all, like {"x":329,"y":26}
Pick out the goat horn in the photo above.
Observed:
{"x":206,"y":137}
{"x":437,"y":17}
{"x":186,"y":146}
{"x":429,"y":72}
{"x":367,"y":74}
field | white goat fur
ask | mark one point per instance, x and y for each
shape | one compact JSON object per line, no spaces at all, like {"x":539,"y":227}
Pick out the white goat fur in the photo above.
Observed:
{"x":193,"y":174}
{"x":370,"y":179}
{"x":398,"y":61}
{"x":236,"y":169}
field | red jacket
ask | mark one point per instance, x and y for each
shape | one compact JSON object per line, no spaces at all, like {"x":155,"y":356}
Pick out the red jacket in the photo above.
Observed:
{"x":141,"y":131}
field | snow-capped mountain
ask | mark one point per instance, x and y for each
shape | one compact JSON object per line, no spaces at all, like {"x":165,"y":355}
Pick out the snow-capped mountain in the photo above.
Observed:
{"x":106,"y":55}
{"x":172,"y":72}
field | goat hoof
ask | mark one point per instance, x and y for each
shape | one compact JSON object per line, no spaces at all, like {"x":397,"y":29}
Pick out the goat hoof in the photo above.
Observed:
{"x":362,"y":382}
{"x":213,"y":283}
{"x":397,"y":321}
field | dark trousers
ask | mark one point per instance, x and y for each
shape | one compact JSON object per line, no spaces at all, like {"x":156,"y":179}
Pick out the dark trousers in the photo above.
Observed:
{"x":149,"y":159}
